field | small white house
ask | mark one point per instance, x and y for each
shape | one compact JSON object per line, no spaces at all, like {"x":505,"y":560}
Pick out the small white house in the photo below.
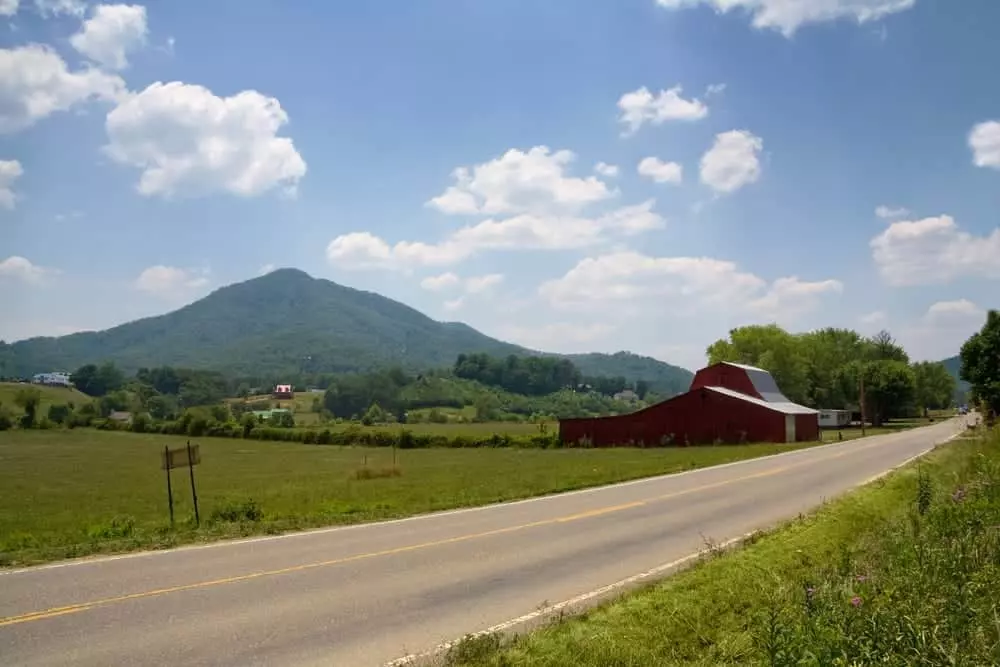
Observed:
{"x":57,"y":378}
{"x":834,"y":418}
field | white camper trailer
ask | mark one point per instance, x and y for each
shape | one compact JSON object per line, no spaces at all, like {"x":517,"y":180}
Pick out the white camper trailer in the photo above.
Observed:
{"x":834,"y":418}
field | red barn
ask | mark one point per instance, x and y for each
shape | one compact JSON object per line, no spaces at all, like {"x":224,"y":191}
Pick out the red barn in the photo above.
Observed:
{"x":283,"y":391}
{"x":727,"y":402}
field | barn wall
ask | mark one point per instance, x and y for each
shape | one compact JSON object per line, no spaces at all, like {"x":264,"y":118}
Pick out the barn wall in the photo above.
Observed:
{"x":723,"y":375}
{"x":807,"y":428}
{"x":698,"y":416}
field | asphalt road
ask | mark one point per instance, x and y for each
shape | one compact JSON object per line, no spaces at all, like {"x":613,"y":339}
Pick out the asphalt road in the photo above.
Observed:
{"x":365,"y":595}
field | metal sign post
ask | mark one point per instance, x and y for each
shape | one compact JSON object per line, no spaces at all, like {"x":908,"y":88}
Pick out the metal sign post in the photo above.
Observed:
{"x":189,"y":456}
{"x":862,"y":381}
{"x":194,"y":492}
{"x":170,"y":491}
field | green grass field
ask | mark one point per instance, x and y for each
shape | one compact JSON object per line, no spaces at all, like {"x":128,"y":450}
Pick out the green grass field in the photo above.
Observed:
{"x":63,"y":489}
{"x":903,"y":572}
{"x":50,"y":395}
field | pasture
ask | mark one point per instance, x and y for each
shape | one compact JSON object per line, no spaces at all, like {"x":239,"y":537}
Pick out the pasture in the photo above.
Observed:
{"x":75,"y":492}
{"x":49,"y":395}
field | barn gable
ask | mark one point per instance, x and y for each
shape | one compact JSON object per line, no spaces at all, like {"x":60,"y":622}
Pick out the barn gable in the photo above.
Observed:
{"x":745,"y":379}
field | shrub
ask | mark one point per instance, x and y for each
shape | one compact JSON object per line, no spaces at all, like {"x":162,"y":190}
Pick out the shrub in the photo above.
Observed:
{"x":59,"y":413}
{"x":119,"y":527}
{"x":234,"y":511}
{"x":141,"y":422}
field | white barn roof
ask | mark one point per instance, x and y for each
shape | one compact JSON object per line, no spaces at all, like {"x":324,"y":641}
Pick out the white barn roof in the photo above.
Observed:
{"x":785,"y":407}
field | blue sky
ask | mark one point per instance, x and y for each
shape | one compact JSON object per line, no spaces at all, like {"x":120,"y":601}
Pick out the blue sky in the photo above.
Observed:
{"x":444,"y":154}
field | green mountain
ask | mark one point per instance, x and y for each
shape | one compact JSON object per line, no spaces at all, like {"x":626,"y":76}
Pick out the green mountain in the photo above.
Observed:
{"x":954,"y":365}
{"x":288,"y":322}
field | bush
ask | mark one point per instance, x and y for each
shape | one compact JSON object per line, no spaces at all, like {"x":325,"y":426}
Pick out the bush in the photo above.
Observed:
{"x":119,"y":527}
{"x":141,"y":422}
{"x":234,"y":511}
{"x":59,"y":413}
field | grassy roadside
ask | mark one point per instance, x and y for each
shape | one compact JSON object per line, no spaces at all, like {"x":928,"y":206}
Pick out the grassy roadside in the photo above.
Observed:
{"x":83,"y":491}
{"x":905,"y":571}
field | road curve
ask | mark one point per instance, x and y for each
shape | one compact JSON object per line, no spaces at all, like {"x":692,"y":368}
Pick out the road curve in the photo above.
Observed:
{"x":365,"y":595}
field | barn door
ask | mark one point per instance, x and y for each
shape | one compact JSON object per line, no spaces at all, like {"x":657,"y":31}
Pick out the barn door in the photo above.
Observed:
{"x":789,"y":428}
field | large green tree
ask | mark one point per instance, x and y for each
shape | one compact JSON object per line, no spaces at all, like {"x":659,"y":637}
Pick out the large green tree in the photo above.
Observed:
{"x":96,"y":380}
{"x":889,"y":387}
{"x":935,"y":386}
{"x":981,"y":363}
{"x":769,"y":347}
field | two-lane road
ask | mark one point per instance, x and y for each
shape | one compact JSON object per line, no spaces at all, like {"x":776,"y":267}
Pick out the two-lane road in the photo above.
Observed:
{"x":364,"y":595}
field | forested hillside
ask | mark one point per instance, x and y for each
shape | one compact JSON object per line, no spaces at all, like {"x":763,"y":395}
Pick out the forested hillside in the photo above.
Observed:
{"x":288,"y":323}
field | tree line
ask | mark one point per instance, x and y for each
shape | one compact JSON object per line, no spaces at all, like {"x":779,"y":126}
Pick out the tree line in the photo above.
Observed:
{"x":537,"y":376}
{"x":828,"y":368}
{"x":163,"y":391}
{"x":981,"y":365}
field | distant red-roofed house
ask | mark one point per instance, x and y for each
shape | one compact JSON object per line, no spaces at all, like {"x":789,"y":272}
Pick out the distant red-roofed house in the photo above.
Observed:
{"x":283,"y":391}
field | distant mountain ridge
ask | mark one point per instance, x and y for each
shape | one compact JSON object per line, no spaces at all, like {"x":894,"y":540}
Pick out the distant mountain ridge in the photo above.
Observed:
{"x":288,"y":322}
{"x":954,"y":366}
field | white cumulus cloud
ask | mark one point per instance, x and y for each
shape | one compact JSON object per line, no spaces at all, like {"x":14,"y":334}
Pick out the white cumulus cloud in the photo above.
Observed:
{"x":660,"y":171}
{"x":171,"y":282}
{"x":8,"y":7}
{"x":787,"y":16}
{"x":888,"y":212}
{"x":10,"y":171}
{"x":950,"y":311}
{"x":111,"y":33}
{"x":934,"y":250}
{"x":790,"y":296}
{"x":641,"y":106}
{"x":50,"y":8}
{"x":519,"y":181}
{"x":477,"y":284}
{"x":605,"y":169}
{"x":942,"y":329}
{"x":35,"y":82}
{"x":189,"y":141}
{"x":620,"y":283}
{"x":21,"y":269}
{"x":440,"y":282}
{"x":984,"y":140}
{"x":364,"y":250}
{"x":732,"y":162}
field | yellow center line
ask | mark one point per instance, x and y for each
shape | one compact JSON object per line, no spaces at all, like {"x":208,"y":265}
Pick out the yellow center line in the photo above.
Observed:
{"x":84,"y":606}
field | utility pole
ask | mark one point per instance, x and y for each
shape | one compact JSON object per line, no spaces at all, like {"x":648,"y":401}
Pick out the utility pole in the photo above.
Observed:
{"x":861,"y":382}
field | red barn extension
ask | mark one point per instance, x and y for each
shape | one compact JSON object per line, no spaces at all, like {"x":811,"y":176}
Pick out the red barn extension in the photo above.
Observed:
{"x":727,"y":402}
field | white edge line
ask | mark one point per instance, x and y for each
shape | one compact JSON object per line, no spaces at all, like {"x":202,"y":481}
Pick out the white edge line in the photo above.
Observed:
{"x":500,"y":627}
{"x":659,"y":569}
{"x":433,"y":515}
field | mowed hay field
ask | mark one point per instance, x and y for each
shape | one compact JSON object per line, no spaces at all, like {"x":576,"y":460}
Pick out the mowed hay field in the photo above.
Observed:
{"x":76,"y":492}
{"x":301,"y":406}
{"x":50,"y":396}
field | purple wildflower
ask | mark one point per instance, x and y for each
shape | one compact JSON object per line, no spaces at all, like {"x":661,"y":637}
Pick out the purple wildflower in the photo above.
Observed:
{"x":856,"y":601}
{"x":810,"y":592}
{"x":959,"y":494}
{"x":862,"y":578}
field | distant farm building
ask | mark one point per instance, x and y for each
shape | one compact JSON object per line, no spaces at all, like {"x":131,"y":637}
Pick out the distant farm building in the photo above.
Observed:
{"x":834,"y":418}
{"x":55,"y":379}
{"x":267,"y":415}
{"x":727,"y":402}
{"x":283,"y":391}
